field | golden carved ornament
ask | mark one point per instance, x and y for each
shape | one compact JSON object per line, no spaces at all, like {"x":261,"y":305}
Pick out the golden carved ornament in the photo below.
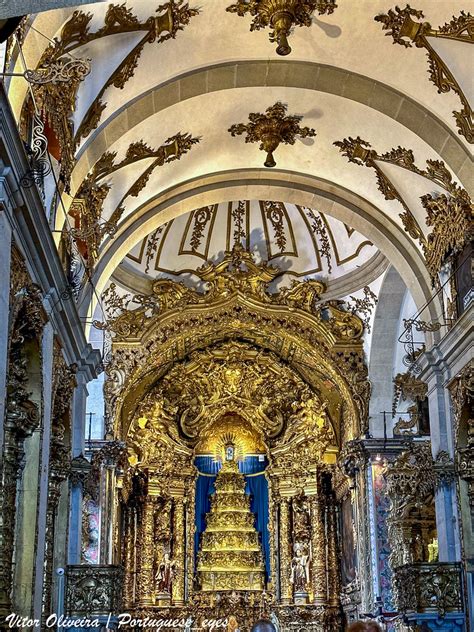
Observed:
{"x":308,"y":432}
{"x":449,"y":215}
{"x":406,"y":31}
{"x":359,"y":152}
{"x":173,"y":321}
{"x":281,"y":16}
{"x":272,"y":128}
{"x":205,"y":394}
{"x":231,"y":428}
{"x":27,"y":313}
{"x":88,"y":204}
{"x":452,"y":226}
{"x":407,"y":386}
{"x":57,"y":101}
{"x":237,"y":273}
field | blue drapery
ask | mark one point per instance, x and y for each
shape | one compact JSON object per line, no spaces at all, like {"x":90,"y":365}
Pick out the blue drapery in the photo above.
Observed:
{"x":256,"y":486}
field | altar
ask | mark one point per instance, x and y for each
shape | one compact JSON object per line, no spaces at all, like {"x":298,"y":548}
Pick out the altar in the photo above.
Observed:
{"x":229,"y":489}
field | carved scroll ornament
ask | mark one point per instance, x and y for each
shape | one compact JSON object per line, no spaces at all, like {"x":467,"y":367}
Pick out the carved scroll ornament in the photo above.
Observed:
{"x":57,"y":101}
{"x":450,"y":216}
{"x":406,"y":31}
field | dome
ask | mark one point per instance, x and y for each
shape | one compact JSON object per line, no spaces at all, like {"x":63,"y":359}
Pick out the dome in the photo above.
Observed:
{"x":301,"y":242}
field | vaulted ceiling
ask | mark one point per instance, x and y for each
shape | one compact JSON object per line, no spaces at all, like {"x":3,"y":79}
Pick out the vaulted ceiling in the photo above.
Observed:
{"x":344,"y":76}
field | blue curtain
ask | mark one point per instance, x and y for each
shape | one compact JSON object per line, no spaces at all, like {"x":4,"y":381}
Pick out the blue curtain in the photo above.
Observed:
{"x":256,"y":486}
{"x":208,"y":469}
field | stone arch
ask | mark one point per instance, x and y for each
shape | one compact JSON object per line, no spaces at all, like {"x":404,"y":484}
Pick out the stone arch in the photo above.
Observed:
{"x":383,"y":347}
{"x":285,"y":74}
{"x":285,"y":186}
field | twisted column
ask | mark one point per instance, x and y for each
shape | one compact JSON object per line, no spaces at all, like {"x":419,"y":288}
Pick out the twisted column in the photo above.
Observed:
{"x":129,"y":556}
{"x":318,"y":550}
{"x":332,"y":557}
{"x":147,"y":555}
{"x":285,"y":557}
{"x":177,"y":588}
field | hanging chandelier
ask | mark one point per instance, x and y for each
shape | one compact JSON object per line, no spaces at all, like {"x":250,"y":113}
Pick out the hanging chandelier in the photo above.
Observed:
{"x":281,"y":16}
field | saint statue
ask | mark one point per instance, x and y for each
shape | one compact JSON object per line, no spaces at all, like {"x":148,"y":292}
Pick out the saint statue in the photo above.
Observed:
{"x":417,"y":549}
{"x":300,"y":570}
{"x":165,"y":574}
{"x":433,"y":550}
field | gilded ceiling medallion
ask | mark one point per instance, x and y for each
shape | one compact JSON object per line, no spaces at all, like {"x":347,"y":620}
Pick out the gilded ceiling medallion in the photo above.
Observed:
{"x":271,"y":129}
{"x":281,"y":16}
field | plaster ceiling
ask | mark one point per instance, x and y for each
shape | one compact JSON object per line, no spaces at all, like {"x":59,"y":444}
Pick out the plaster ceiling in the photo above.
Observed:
{"x":343,"y":76}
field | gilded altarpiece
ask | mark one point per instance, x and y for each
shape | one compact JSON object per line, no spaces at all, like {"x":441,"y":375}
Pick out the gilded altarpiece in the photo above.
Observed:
{"x":239,"y":378}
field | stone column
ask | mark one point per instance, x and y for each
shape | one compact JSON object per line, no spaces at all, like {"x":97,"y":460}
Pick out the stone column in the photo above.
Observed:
{"x":59,"y":469}
{"x":147,"y":546}
{"x":447,"y":519}
{"x":177,"y":587}
{"x":285,"y":557}
{"x":318,"y":550}
{"x":47,"y":383}
{"x":79,"y":415}
{"x":78,"y":446}
{"x":5,"y":260}
{"x":80,"y":469}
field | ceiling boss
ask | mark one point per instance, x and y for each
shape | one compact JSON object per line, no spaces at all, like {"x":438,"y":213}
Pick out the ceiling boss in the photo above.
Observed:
{"x":281,"y":16}
{"x":271,"y":129}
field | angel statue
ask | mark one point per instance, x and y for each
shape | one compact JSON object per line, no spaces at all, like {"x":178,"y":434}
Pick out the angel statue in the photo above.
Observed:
{"x":165,"y":574}
{"x":300,"y":569}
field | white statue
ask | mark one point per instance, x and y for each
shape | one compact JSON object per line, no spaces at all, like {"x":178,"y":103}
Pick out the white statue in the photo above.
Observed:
{"x":300,"y":569}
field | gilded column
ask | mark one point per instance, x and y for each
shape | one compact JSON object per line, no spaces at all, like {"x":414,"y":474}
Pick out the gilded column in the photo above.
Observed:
{"x":191,"y":509}
{"x":178,"y":552}
{"x":273,"y":534}
{"x":332,"y":557}
{"x":318,"y":551}
{"x":129,"y":562}
{"x":285,"y":557}
{"x":147,"y":554}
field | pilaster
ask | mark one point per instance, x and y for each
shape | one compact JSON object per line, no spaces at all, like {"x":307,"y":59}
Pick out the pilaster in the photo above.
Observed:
{"x":441,"y":426}
{"x":147,"y":554}
{"x":178,"y":552}
{"x":47,"y":379}
{"x":285,"y":561}
{"x":318,"y":545}
{"x":5,"y":261}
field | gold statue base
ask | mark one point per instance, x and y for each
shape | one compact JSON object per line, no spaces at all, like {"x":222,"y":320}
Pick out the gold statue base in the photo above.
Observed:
{"x":163,"y":599}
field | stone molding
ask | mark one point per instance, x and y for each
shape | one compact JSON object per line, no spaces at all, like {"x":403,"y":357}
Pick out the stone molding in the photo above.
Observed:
{"x":296,"y":188}
{"x":288,"y":74}
{"x":29,"y":222}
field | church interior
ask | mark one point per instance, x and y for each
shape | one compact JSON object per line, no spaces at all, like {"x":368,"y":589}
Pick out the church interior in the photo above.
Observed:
{"x":236,"y":333}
